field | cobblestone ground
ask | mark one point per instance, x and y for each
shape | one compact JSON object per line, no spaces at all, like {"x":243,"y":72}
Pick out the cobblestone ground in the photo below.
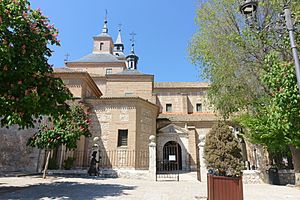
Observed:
{"x":86,"y":188}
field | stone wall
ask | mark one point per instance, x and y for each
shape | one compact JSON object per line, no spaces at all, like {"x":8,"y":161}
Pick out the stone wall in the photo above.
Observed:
{"x":108,"y":115}
{"x":146,"y":125}
{"x":183,"y":101}
{"x":98,"y":69}
{"x":193,"y":150}
{"x":286,"y":177}
{"x":253,"y":177}
{"x":14,"y":154}
{"x":136,"y":87}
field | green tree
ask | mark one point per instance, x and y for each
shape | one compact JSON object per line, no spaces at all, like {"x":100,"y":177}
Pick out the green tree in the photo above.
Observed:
{"x":222,"y":151}
{"x":277,"y":122}
{"x":251,"y":70}
{"x":230,"y":56}
{"x":65,"y":130}
{"x":27,"y":86}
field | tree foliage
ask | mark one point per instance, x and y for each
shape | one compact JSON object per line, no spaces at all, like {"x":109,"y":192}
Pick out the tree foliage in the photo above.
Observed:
{"x":27,"y":87}
{"x":65,"y":130}
{"x":222,"y":152}
{"x":231,"y":54}
{"x":251,"y":69}
{"x":277,"y":122}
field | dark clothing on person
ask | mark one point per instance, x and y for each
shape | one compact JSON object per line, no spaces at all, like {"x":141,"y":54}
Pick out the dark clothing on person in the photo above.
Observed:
{"x":93,"y":169}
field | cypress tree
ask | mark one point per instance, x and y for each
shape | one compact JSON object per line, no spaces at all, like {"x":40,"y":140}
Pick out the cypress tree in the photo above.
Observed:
{"x":222,"y":152}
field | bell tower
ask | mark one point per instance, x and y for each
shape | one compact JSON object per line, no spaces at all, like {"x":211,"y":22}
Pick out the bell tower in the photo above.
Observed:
{"x":103,"y":42}
{"x":119,"y":47}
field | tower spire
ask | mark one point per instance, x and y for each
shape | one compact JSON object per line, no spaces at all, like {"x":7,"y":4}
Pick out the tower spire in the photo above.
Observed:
{"x":119,"y":46}
{"x":119,"y":37}
{"x":105,"y":29}
{"x":132,"y":59}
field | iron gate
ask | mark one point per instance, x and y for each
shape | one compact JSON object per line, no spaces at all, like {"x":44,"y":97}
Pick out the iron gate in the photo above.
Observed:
{"x":169,"y":166}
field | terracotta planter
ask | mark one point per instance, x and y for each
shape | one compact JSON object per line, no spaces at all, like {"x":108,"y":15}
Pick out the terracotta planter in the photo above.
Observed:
{"x":224,"y":188}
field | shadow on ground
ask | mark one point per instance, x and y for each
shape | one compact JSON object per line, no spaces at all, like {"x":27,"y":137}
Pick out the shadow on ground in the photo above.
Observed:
{"x":64,"y":190}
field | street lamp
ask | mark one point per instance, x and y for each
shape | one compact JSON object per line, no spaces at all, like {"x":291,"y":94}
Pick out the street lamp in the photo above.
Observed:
{"x":248,"y":9}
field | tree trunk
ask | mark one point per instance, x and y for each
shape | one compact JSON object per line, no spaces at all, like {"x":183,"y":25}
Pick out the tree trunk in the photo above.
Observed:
{"x":296,"y":161}
{"x":46,"y":165}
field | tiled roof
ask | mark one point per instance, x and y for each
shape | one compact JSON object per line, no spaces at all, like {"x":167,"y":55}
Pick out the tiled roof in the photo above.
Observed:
{"x":181,"y":84}
{"x":189,"y":117}
{"x":101,"y":57}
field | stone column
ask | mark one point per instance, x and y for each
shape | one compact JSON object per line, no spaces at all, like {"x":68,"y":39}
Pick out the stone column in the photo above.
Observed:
{"x":152,"y":158}
{"x":203,"y":170}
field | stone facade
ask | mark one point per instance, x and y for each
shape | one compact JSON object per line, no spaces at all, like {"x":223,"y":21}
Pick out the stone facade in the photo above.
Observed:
{"x":133,"y":102}
{"x":126,"y":107}
{"x":15,"y":155}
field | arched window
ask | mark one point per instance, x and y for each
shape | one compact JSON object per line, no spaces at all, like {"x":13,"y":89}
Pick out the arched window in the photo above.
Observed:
{"x":101,"y":46}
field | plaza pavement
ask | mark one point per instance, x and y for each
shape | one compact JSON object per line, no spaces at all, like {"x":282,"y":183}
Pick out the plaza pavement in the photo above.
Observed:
{"x":88,"y":188}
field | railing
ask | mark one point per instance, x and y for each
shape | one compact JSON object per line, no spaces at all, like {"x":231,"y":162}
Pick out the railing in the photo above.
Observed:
{"x":167,"y":170}
{"x":124,"y":159}
{"x":108,"y":159}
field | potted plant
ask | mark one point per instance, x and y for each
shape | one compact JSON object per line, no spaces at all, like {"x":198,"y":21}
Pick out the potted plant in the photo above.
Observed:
{"x":223,"y":158}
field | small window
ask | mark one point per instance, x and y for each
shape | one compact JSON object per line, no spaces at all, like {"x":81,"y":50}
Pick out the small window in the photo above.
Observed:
{"x":199,"y":107}
{"x":122,"y":137}
{"x":108,"y":71}
{"x":168,"y":107}
{"x":128,"y":94}
{"x":101,"y":45}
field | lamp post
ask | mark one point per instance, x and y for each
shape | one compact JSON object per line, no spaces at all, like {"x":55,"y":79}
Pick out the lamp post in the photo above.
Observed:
{"x":249,"y":8}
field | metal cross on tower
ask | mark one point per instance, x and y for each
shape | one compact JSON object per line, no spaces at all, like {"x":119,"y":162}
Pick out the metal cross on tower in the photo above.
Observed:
{"x":105,"y":17}
{"x":119,"y":26}
{"x":133,"y":34}
{"x":67,"y":57}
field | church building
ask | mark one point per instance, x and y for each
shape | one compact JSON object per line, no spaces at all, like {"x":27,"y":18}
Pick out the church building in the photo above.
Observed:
{"x":127,"y":106}
{"x":138,"y":126}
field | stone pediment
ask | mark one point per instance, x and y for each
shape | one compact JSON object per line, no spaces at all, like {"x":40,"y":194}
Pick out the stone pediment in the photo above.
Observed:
{"x":172,"y":129}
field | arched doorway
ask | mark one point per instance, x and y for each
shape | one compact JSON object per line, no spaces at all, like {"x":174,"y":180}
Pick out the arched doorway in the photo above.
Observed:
{"x":172,"y":154}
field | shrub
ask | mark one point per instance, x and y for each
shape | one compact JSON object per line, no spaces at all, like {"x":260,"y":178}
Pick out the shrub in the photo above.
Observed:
{"x":222,"y":152}
{"x":69,"y":163}
{"x":52,"y":164}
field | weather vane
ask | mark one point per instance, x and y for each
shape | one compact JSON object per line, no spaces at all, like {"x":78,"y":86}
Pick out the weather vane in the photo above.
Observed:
{"x":105,"y":17}
{"x":133,"y":34}
{"x":119,"y":26}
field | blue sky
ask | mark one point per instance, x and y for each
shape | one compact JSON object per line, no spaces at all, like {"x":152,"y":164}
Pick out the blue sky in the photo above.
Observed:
{"x":163,"y":27}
